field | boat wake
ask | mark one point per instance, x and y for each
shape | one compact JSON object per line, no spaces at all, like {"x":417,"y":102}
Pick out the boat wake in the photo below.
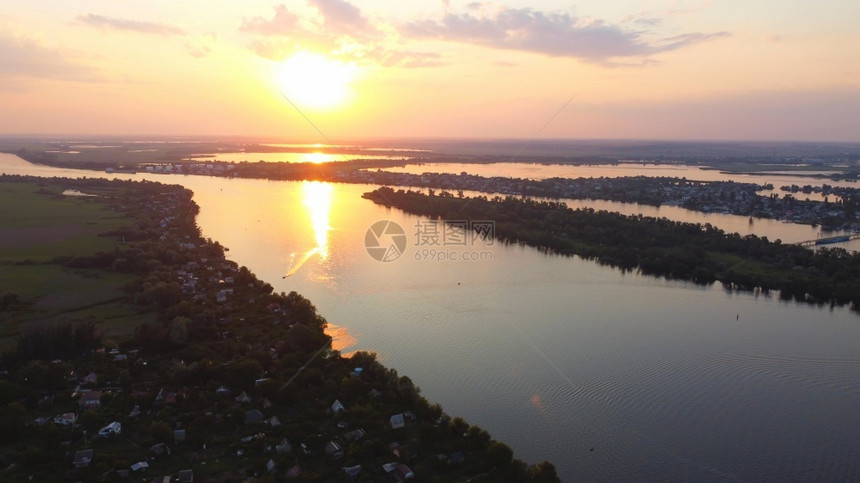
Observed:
{"x":296,"y":266}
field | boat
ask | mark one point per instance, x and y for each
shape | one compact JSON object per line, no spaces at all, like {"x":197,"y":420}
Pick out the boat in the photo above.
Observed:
{"x":833,"y":239}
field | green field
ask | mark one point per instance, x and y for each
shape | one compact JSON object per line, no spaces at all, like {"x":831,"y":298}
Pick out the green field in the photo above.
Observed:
{"x":103,"y":153}
{"x":38,"y":224}
{"x":803,"y":170}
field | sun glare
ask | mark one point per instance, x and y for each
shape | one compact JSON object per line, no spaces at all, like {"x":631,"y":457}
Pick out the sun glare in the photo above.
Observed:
{"x":314,"y":81}
{"x":318,"y":158}
{"x":317,"y":199}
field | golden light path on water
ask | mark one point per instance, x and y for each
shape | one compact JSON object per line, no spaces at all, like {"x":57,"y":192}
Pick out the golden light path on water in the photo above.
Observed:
{"x":316,"y":198}
{"x":340,"y":338}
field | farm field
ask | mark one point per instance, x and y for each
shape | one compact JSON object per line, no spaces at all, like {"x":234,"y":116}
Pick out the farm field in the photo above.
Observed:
{"x":40,"y":229}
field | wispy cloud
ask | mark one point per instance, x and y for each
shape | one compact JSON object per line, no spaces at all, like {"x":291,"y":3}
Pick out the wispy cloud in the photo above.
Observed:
{"x":138,"y":26}
{"x":198,"y":50}
{"x":335,"y":27}
{"x":335,"y":18}
{"x":283,"y":22}
{"x":342,"y":16}
{"x":402,"y":58}
{"x":24,"y":57}
{"x":558,"y":34}
{"x":648,"y":21}
{"x":201,"y":45}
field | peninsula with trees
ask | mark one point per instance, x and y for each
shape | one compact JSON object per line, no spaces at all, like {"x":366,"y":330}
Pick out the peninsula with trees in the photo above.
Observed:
{"x":133,"y":347}
{"x":696,"y":252}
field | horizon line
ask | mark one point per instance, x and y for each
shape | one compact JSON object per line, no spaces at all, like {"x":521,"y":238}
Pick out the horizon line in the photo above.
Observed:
{"x":303,"y":140}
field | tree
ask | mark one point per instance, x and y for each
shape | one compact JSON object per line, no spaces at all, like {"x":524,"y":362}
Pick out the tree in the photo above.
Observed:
{"x":244,"y":373}
{"x":8,"y":392}
{"x":499,"y":454}
{"x":90,"y":421}
{"x":543,"y":472}
{"x":458,"y":426}
{"x":160,"y":431}
{"x":9,"y":299}
{"x":177,"y":331}
{"x":12,"y":420}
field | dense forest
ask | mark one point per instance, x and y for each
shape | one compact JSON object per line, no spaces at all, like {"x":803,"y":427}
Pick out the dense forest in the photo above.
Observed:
{"x":700,"y":253}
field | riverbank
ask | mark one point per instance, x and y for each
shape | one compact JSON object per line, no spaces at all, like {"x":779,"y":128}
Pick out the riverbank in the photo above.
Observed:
{"x":230,"y":380}
{"x":655,"y":246}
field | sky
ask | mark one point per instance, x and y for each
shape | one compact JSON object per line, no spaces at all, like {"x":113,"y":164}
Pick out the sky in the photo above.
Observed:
{"x":334,"y":70}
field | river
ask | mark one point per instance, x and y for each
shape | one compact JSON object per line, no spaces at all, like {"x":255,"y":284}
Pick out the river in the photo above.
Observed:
{"x":609,"y":375}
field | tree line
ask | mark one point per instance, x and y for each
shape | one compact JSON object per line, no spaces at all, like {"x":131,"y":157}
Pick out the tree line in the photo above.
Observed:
{"x":696,"y":252}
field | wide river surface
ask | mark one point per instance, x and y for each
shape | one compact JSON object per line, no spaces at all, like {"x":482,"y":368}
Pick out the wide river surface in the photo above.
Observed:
{"x":609,"y":375}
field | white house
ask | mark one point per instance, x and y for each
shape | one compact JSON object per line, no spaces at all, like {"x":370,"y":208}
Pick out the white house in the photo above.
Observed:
{"x":337,"y":406}
{"x":112,"y":428}
{"x":66,"y":419}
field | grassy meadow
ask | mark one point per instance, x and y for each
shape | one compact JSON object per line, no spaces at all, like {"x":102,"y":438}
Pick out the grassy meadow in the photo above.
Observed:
{"x":39,"y":226}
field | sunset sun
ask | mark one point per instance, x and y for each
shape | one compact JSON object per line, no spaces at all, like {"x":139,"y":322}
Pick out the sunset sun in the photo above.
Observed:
{"x":314,"y":81}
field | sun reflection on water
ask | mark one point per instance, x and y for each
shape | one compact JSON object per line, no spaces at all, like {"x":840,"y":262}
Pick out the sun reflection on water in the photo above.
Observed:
{"x":316,"y":198}
{"x":341,"y":339}
{"x":319,"y":158}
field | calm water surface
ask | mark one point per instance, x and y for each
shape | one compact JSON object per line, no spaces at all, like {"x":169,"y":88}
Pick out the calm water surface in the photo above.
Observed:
{"x":556,"y":356}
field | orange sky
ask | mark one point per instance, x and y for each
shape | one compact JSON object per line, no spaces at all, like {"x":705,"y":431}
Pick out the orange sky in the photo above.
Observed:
{"x":720,"y":69}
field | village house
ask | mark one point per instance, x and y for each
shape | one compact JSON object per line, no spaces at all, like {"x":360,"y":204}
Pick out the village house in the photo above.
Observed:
{"x":294,"y":472}
{"x":284,"y":446}
{"x":66,"y":419}
{"x":111,"y":429}
{"x":243,"y":398}
{"x":83,"y":458}
{"x":334,"y":450}
{"x":352,"y":471}
{"x":354,"y":435}
{"x":253,"y":416}
{"x":90,"y":400}
{"x":337,"y":407}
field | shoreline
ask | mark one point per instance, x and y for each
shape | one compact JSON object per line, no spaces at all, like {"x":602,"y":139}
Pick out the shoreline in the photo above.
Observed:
{"x":226,"y":345}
